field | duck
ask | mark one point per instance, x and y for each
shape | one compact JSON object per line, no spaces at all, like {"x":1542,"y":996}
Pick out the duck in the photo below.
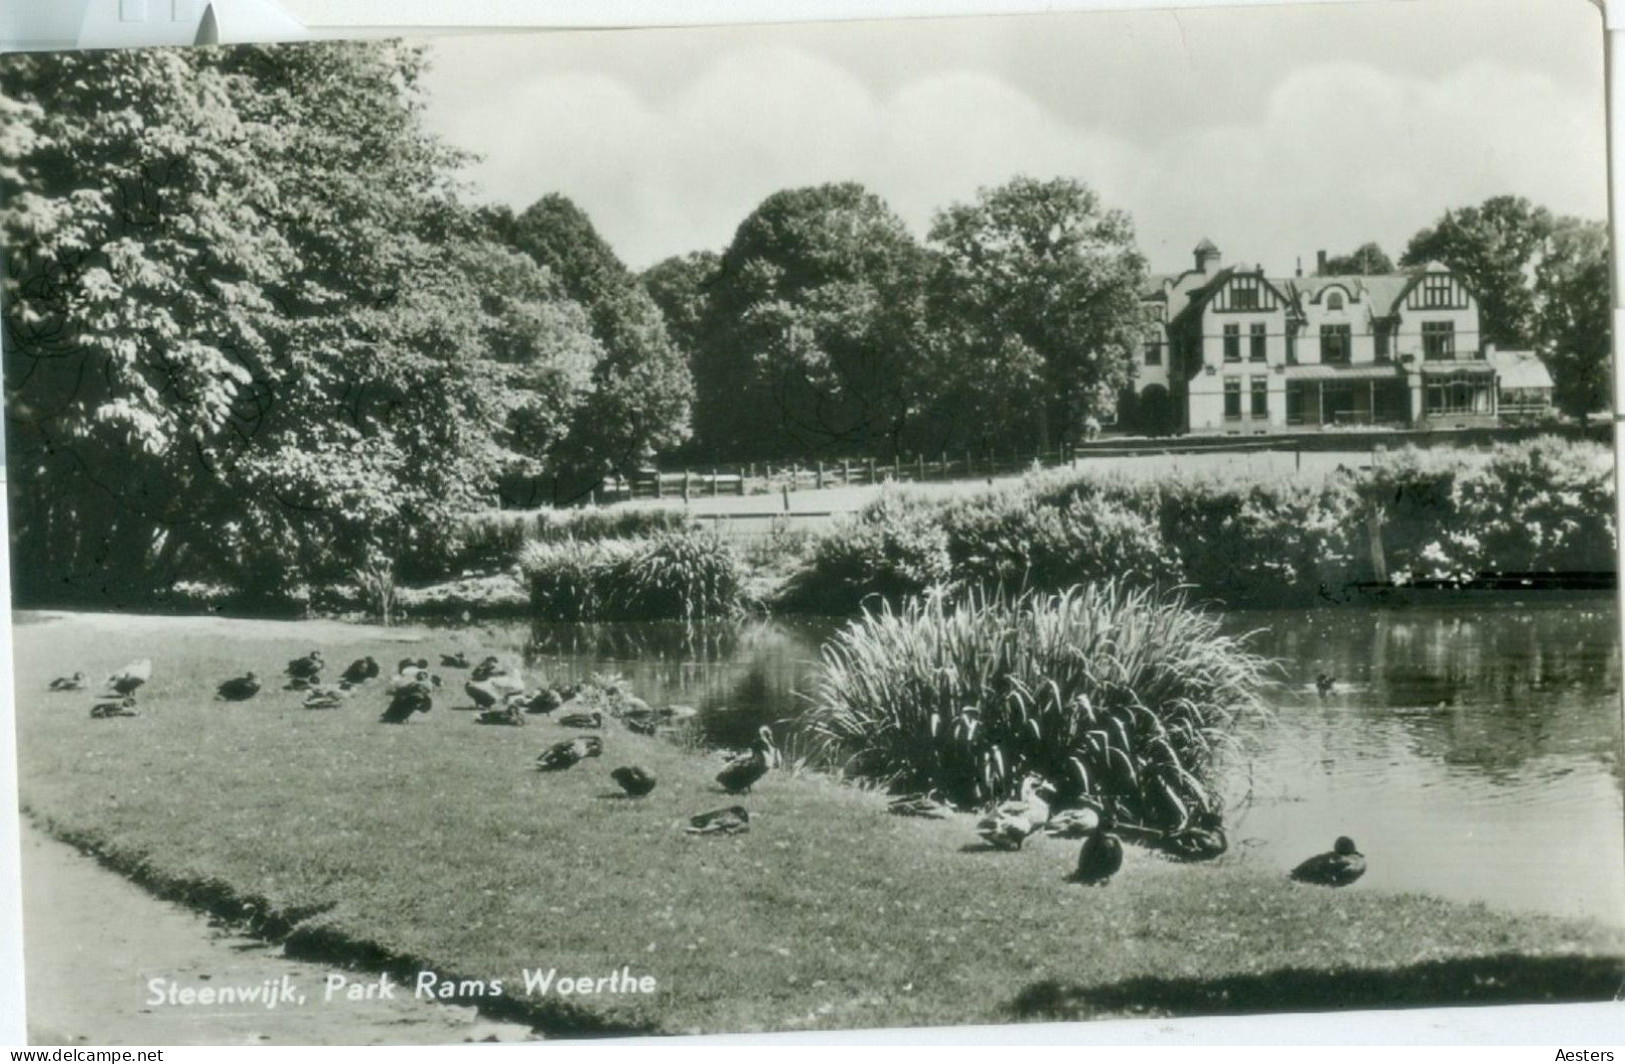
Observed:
{"x":509,"y":714}
{"x":411,"y":665}
{"x":1073,"y":823}
{"x":742,"y":773}
{"x":1009,"y":824}
{"x":458,"y":660}
{"x":545,"y":700}
{"x":239,"y":688}
{"x":1342,"y":866}
{"x":505,"y":681}
{"x":308,"y":667}
{"x":360,"y":671}
{"x":635,"y":781}
{"x":324,"y":698}
{"x":1202,"y":839}
{"x":926,"y":806}
{"x":407,"y":679}
{"x":1325,"y":684}
{"x":119,"y":707}
{"x":126,"y":680}
{"x":594,"y":719}
{"x":1101,"y":855}
{"x":643,"y":721}
{"x":734,"y":820}
{"x":76,"y":682}
{"x":486,"y":668}
{"x":563,"y":755}
{"x":412,"y":698}
{"x":481,"y":695}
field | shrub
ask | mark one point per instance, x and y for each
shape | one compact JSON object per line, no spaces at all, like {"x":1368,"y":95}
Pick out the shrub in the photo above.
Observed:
{"x":1119,"y":695}
{"x":670,"y":575}
{"x":1014,"y":540}
{"x":896,"y":547}
{"x":1545,"y":506}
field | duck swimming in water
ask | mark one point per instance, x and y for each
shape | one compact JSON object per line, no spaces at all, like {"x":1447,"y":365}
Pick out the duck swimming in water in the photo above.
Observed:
{"x":360,"y":671}
{"x":636,"y":782}
{"x":1009,"y":823}
{"x":742,"y":773}
{"x":1342,"y":866}
{"x":1101,"y":855}
{"x":734,"y":820}
{"x":238,"y":689}
{"x":76,"y":682}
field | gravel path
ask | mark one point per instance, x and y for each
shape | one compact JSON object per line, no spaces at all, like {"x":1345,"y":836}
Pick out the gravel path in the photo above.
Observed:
{"x":95,"y":941}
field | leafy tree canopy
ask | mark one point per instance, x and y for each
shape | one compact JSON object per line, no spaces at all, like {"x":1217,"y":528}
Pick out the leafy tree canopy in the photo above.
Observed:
{"x":249,"y":327}
{"x":1496,"y":247}
{"x":1035,"y":307}
{"x":813,"y":312}
{"x":1366,"y":259}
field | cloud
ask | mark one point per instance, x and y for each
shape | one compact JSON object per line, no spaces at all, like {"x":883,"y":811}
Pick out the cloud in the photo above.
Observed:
{"x":1340,"y":153}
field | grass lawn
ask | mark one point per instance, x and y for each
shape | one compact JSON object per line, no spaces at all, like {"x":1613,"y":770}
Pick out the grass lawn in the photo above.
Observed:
{"x":436,"y":844}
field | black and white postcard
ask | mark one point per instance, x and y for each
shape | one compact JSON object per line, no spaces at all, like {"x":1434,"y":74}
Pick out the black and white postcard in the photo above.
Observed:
{"x":824,"y":526}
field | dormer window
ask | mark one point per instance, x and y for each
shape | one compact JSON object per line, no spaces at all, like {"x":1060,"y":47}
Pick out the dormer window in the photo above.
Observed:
{"x":1334,"y":301}
{"x":1244,"y":293}
{"x":1437,"y":291}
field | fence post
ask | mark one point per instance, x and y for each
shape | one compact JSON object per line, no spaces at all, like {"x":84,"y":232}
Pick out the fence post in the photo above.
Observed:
{"x":970,"y":463}
{"x":657,"y":484}
{"x":786,"y":490}
{"x":820,"y":475}
{"x":713,"y":482}
{"x":897,"y":466}
{"x":871,"y":463}
{"x":846,"y":472}
{"x":685,"y":487}
{"x":741,"y":480}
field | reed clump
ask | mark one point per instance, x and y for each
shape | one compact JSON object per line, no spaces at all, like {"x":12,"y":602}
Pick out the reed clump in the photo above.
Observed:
{"x":1120,"y":695}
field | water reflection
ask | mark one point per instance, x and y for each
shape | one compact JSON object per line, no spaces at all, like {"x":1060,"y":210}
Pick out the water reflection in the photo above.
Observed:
{"x":1472,"y":751}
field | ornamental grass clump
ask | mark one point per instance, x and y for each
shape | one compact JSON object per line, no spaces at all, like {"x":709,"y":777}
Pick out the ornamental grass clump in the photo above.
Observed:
{"x":1111,"y":694}
{"x":676,"y":575}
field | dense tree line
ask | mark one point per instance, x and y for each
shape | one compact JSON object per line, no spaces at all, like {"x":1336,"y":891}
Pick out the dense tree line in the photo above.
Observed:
{"x":254,"y":333}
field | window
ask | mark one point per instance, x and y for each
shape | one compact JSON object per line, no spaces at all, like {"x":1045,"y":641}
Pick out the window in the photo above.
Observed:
{"x":1257,"y":336}
{"x":1438,"y":291}
{"x":1232,"y":343}
{"x":1334,"y":301}
{"x":1334,"y":343}
{"x":1382,"y":338}
{"x":1438,"y":340}
{"x":1153,"y":352}
{"x":1292,"y":344}
{"x":1456,"y":395}
{"x":1244,"y":293}
{"x":1232,"y":398}
{"x":1260,"y":389}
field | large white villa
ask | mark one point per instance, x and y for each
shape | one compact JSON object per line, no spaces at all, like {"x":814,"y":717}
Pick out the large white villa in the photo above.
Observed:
{"x":1229,"y":350}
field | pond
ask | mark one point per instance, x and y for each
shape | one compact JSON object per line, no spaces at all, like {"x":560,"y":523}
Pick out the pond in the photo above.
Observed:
{"x":1472,"y":751}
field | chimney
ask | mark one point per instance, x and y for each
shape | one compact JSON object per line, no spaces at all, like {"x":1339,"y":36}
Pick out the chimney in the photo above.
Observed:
{"x":1300,"y":265}
{"x":1206,"y":253}
{"x":1320,"y":263}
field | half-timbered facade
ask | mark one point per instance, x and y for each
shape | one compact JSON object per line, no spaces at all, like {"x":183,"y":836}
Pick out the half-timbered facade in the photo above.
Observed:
{"x":1230,"y":350}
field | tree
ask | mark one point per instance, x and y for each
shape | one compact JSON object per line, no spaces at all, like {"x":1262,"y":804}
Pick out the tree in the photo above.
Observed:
{"x":1496,"y":247}
{"x":1572,"y":293}
{"x":642,"y":389}
{"x":1036,"y":307}
{"x":1367,"y":259}
{"x":251,"y":333}
{"x":813,"y":316}
{"x":680,"y":287}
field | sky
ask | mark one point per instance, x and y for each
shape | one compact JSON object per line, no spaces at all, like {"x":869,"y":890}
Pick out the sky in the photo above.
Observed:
{"x":1274,"y":131}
